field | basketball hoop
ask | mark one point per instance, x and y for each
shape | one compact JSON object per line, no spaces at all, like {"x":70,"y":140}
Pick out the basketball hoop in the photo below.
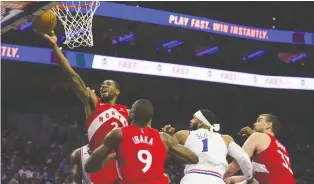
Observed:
{"x":77,"y":20}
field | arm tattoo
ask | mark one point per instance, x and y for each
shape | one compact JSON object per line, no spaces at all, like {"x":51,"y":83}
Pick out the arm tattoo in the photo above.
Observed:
{"x":81,"y":82}
{"x":78,"y":84}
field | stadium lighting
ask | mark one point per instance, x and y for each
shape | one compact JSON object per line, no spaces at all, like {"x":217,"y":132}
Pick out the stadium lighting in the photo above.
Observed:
{"x":208,"y":51}
{"x":26,"y":26}
{"x":254,"y":55}
{"x":124,"y":39}
{"x":172,"y":44}
{"x":298,"y":58}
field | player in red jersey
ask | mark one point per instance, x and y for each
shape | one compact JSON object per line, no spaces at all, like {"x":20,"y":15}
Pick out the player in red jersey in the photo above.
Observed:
{"x":102,"y":114}
{"x":141,"y":150}
{"x":270,"y":158}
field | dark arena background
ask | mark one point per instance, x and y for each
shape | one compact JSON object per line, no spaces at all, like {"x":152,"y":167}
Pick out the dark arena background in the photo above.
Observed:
{"x":237,"y":59}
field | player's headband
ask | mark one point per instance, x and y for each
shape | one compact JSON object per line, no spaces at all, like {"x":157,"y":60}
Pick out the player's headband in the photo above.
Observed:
{"x":201,"y":117}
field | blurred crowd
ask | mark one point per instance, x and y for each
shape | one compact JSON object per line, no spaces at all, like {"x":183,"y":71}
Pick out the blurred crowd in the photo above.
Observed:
{"x":40,"y":155}
{"x":43,"y":122}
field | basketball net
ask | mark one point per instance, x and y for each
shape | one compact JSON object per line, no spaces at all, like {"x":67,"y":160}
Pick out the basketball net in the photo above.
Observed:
{"x":77,"y":20}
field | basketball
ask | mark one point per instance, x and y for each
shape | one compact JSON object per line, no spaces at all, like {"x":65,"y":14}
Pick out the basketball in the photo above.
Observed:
{"x":45,"y":22}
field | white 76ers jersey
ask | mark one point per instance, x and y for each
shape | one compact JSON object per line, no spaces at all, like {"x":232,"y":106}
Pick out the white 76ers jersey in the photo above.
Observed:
{"x":84,"y":157}
{"x":211,"y":150}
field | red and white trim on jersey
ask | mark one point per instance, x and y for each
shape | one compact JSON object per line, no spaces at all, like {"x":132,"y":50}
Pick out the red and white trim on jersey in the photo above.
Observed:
{"x":257,"y":167}
{"x":103,"y":118}
{"x":207,"y":172}
{"x":118,"y":170}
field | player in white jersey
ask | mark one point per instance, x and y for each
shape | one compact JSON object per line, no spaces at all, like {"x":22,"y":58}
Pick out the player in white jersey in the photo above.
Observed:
{"x":78,"y":160}
{"x":212,"y":149}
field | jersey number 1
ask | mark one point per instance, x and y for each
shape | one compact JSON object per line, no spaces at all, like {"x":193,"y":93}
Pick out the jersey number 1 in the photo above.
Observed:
{"x":147,"y":160}
{"x":205,"y":145}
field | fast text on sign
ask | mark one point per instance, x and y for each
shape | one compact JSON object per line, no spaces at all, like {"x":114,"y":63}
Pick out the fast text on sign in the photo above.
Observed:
{"x":127,"y":64}
{"x":180,"y":70}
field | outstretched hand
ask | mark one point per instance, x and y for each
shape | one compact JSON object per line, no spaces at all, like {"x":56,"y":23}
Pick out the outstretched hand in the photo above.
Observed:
{"x":51,"y":37}
{"x":169,"y":130}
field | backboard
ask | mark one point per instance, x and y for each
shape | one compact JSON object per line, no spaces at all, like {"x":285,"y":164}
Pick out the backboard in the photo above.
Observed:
{"x":15,"y":13}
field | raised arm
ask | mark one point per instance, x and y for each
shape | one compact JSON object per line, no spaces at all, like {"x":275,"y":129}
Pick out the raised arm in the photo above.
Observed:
{"x":95,"y":161}
{"x":111,"y":157}
{"x":180,"y":152}
{"x":76,"y":166}
{"x":78,"y":86}
{"x":236,"y":152}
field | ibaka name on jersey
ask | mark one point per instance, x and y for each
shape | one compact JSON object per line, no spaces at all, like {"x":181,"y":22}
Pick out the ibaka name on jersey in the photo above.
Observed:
{"x":142,"y":139}
{"x":141,"y":156}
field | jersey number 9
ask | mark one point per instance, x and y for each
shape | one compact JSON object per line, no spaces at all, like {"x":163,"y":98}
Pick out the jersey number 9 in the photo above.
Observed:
{"x":147,"y":159}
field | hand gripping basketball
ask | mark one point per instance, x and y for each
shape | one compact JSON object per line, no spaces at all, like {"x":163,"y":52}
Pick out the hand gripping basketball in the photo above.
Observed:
{"x":52,"y":38}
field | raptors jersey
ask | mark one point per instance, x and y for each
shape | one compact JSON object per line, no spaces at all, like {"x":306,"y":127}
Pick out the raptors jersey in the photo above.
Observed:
{"x":105,"y":118}
{"x":273,"y":164}
{"x":211,"y":150}
{"x":84,"y":157}
{"x":141,"y":156}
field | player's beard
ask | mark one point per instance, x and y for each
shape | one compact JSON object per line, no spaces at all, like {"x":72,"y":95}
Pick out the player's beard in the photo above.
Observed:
{"x":106,"y":99}
{"x":194,"y":126}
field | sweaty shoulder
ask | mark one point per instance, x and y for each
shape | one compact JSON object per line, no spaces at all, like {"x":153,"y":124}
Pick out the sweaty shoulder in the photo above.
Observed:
{"x":257,"y":136}
{"x":181,"y":136}
{"x":76,"y":156}
{"x":227,"y":138}
{"x":76,"y":153}
{"x":261,"y":141}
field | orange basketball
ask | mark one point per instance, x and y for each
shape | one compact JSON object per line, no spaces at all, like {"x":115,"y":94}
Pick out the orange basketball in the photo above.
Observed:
{"x":45,"y":22}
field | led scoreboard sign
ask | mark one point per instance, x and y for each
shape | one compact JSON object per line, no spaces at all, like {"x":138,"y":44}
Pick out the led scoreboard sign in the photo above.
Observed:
{"x":166,"y":18}
{"x":85,"y":60}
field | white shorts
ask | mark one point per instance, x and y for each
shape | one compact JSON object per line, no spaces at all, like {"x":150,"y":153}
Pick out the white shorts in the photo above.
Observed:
{"x":194,"y":178}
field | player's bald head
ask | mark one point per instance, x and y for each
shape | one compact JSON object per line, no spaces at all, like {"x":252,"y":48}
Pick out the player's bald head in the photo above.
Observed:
{"x":142,"y":112}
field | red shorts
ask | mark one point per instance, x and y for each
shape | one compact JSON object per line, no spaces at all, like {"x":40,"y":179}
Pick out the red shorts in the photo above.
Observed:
{"x":162,"y":180}
{"x":107,"y":175}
